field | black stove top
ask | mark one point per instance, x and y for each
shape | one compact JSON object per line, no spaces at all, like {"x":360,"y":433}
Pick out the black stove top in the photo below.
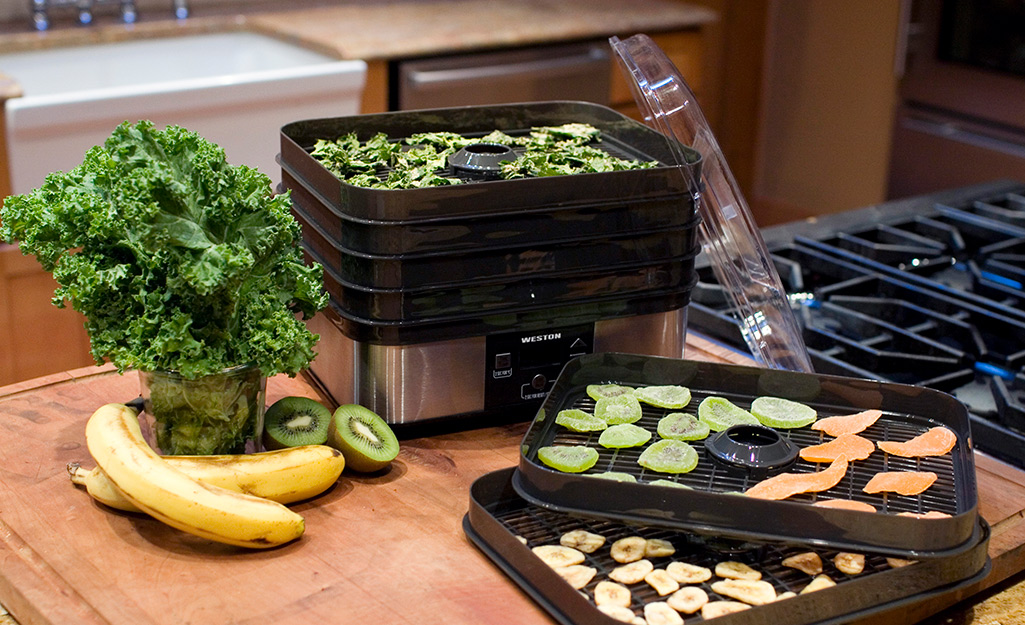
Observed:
{"x":927,"y":291}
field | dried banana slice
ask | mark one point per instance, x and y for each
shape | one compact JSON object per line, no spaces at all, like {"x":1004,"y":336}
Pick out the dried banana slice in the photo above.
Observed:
{"x":611,"y":593}
{"x":786,"y":595}
{"x":808,"y":562}
{"x":896,"y":563}
{"x":820,"y":582}
{"x":662,"y":582}
{"x":688,"y":599}
{"x":659,"y":613}
{"x":619,"y":613}
{"x":750,"y":591}
{"x":849,"y":563}
{"x":629,"y":549}
{"x":557,"y":555}
{"x":582,"y":540}
{"x":736,"y":570}
{"x":631,"y":573}
{"x":577,"y":575}
{"x":687,"y":573}
{"x":714,"y":609}
{"x":658,"y":548}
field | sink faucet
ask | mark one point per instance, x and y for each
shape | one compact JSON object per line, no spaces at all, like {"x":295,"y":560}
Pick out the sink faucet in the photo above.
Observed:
{"x":41,"y":17}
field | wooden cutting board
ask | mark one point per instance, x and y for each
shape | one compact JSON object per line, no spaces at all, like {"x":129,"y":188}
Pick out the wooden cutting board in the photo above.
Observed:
{"x":382,"y":549}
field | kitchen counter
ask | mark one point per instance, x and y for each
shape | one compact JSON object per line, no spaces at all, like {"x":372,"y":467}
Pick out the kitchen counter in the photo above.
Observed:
{"x":382,"y":548}
{"x":397,"y":28}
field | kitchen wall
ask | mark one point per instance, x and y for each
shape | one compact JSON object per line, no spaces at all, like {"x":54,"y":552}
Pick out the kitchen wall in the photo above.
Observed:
{"x":829,"y":95}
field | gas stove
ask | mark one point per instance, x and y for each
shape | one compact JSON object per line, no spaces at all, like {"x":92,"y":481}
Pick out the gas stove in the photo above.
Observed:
{"x":927,"y":291}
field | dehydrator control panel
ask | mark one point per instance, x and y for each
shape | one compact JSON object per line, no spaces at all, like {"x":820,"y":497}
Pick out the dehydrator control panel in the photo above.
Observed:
{"x":522,"y":366}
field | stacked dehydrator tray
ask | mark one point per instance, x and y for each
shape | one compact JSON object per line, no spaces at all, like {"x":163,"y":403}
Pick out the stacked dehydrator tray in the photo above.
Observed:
{"x":707,"y":517}
{"x":465,"y":300}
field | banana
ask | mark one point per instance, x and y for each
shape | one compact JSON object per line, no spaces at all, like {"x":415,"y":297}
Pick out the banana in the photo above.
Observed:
{"x":284,"y":475}
{"x":156,"y":487}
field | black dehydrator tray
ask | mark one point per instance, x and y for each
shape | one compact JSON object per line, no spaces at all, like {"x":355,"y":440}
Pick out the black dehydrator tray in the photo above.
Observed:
{"x":482,"y":298}
{"x":523,"y":225}
{"x":541,"y":316}
{"x":506,"y":528}
{"x":444,"y":268}
{"x":620,"y":136}
{"x":714,"y":504}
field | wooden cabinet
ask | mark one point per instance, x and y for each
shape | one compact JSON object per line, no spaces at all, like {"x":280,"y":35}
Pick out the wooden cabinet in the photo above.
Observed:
{"x":36,"y":337}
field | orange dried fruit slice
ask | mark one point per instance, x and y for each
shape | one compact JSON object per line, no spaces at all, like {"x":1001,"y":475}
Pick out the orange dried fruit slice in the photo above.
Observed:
{"x":932,"y":514}
{"x":900,"y":482}
{"x":846,"y":504}
{"x":851,"y":445}
{"x":788,"y":484}
{"x":936,"y":441}
{"x":847,"y":424}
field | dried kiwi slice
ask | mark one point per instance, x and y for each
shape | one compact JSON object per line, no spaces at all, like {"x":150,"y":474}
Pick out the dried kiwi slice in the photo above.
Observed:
{"x":667,"y":456}
{"x":580,"y":421}
{"x":720,"y":413}
{"x":568,"y":458}
{"x":670,"y":483}
{"x":777,"y":412}
{"x":598,"y":391}
{"x":668,"y":396}
{"x":616,"y":476}
{"x":624,"y":435}
{"x":680,"y":426}
{"x":618,"y":409}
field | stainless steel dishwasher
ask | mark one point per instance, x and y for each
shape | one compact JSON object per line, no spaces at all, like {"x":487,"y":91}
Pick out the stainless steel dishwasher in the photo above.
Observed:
{"x":564,"y":72}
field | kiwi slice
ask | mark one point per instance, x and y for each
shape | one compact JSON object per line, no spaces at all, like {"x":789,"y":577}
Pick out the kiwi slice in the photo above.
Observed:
{"x":364,"y":438}
{"x":777,"y":412}
{"x":616,"y":476}
{"x":668,"y":396}
{"x":624,"y":435}
{"x":295,"y":421}
{"x":579,"y":421}
{"x":720,"y":413}
{"x":568,"y":458}
{"x":597,"y":391}
{"x":668,"y":456}
{"x":680,"y":426}
{"x":669,"y":483}
{"x":618,"y":409}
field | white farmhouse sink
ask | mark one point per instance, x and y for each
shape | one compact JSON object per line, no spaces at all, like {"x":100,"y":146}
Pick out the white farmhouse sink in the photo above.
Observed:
{"x":235,"y":88}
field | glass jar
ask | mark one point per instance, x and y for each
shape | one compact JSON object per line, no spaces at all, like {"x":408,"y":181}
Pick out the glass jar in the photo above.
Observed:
{"x":221,"y":413}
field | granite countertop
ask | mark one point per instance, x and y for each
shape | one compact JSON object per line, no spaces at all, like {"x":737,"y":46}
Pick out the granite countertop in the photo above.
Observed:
{"x":398,"y":28}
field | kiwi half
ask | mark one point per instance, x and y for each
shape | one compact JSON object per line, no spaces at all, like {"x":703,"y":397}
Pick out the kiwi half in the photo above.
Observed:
{"x":295,"y":421}
{"x":363,"y":437}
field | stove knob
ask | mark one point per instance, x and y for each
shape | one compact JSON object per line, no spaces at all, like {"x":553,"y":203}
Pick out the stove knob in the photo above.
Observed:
{"x":539,"y":382}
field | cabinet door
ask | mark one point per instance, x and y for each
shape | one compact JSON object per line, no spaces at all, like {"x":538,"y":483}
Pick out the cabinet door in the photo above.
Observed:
{"x":36,"y":337}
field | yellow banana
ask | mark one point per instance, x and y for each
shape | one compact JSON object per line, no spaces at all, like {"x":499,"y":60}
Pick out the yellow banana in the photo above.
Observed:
{"x":183,"y":502}
{"x":283,"y":475}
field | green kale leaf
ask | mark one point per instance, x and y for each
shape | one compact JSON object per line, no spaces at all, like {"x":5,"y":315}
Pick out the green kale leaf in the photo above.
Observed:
{"x":178,"y":260}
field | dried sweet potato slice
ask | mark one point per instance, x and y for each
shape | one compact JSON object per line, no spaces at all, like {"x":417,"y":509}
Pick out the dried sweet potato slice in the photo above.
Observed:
{"x":851,"y":445}
{"x":847,"y":424}
{"x":788,"y":484}
{"x":901,"y":482}
{"x":936,"y":441}
{"x":846,"y":504}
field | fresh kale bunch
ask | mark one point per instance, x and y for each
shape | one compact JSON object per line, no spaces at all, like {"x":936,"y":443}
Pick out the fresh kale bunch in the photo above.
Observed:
{"x":178,"y":260}
{"x":421,"y":160}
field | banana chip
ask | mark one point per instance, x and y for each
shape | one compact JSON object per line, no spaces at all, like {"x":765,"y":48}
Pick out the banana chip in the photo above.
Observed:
{"x":631,"y":573}
{"x":619,"y":613}
{"x":849,"y":563}
{"x":662,"y":582}
{"x":611,"y":593}
{"x":577,"y":575}
{"x":714,"y":609}
{"x":582,"y":540}
{"x":820,"y":582}
{"x":736,"y":570}
{"x":750,"y":591}
{"x":686,"y":573}
{"x":808,"y":562}
{"x":556,"y":556}
{"x":688,"y":599}
{"x":659,"y":613}
{"x":658,"y":548}
{"x":629,"y":549}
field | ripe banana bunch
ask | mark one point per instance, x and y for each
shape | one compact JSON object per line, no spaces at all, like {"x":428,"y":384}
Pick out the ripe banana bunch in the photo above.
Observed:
{"x":131,"y":474}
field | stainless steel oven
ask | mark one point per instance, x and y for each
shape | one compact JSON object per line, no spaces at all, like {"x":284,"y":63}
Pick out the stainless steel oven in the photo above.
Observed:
{"x":579,"y":71}
{"x":961,"y":118}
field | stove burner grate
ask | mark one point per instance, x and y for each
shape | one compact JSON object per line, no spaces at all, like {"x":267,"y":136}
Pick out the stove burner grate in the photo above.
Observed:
{"x":927,"y":291}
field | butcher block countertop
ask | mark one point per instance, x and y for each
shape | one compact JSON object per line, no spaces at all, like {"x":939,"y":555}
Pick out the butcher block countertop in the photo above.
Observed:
{"x":385,"y":548}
